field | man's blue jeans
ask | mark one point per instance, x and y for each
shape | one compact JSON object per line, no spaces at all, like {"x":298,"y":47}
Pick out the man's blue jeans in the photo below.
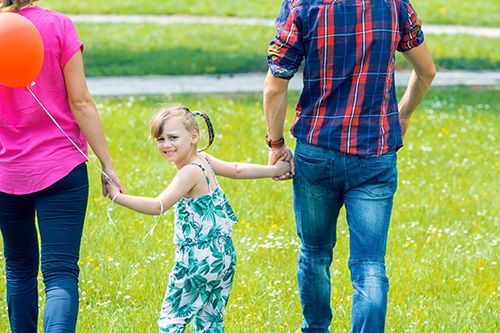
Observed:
{"x":326,"y":180}
{"x":60,"y":211}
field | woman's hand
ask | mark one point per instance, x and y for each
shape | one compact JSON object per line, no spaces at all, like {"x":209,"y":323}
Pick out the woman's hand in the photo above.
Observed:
{"x":111,"y":190}
{"x":111,"y":179}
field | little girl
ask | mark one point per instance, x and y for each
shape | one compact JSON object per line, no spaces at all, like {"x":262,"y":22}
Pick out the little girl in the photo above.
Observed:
{"x":205,"y":259}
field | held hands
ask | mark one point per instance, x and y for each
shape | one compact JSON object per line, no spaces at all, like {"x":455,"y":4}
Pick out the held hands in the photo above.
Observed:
{"x":282,"y":166}
{"x":113,"y":178}
{"x":281,"y":157}
{"x":111,"y":189}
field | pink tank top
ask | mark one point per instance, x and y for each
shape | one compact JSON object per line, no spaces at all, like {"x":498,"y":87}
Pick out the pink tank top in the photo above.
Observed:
{"x":34,"y":153}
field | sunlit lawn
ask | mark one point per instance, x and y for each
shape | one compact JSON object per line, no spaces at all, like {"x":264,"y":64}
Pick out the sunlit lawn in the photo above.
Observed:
{"x":152,"y":49}
{"x":443,"y":243}
{"x":432,"y":11}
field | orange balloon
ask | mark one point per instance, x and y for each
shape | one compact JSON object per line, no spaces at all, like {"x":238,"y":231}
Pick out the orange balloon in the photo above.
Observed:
{"x":21,"y":51}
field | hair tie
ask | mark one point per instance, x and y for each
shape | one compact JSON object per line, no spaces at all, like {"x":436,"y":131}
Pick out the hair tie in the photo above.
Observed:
{"x":195,"y":113}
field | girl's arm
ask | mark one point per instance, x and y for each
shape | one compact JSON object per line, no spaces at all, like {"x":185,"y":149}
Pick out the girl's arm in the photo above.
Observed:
{"x":182,"y":184}
{"x":238,"y":170}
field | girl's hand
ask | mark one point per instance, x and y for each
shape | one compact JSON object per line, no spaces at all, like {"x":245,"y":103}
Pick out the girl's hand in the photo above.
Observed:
{"x":283,"y":153}
{"x":283,"y":166}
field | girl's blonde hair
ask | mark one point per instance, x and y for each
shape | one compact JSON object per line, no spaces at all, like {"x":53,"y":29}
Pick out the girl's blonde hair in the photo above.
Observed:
{"x":186,"y":116}
{"x":13,"y":5}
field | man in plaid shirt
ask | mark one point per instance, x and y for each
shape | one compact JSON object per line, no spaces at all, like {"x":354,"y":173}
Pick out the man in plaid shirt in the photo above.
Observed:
{"x":348,"y":127}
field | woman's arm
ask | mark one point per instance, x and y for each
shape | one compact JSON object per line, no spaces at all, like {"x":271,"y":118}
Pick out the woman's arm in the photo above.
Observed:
{"x":181,"y":185}
{"x":85,"y":112}
{"x":238,"y":170}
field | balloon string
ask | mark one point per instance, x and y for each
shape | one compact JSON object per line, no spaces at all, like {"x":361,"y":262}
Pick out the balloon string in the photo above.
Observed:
{"x":67,"y":136}
{"x":109,"y":209}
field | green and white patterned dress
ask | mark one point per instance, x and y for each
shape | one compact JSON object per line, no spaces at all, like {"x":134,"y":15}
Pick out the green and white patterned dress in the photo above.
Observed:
{"x":205,"y":261}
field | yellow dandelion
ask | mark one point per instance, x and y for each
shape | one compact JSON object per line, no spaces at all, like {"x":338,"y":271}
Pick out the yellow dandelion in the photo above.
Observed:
{"x":480,"y":263}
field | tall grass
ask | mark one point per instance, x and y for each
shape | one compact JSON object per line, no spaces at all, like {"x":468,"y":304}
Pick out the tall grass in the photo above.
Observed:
{"x":443,"y":243}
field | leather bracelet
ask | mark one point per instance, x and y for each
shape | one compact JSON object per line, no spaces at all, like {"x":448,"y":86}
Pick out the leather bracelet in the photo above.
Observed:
{"x":275,"y":143}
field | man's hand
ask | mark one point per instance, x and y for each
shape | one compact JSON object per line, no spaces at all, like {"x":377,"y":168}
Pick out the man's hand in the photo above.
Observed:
{"x":275,"y":154}
{"x":404,"y":122}
{"x":275,"y":105}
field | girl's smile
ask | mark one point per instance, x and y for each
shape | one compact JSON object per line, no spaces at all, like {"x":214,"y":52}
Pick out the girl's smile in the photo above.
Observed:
{"x":176,"y":143}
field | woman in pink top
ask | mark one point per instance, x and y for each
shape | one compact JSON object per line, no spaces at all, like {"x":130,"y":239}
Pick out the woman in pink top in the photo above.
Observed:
{"x":42,"y":173}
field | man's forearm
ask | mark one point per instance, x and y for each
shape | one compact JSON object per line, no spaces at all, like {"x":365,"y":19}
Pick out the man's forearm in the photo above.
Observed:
{"x":275,"y":105}
{"x":418,"y":86}
{"x":421,"y":78}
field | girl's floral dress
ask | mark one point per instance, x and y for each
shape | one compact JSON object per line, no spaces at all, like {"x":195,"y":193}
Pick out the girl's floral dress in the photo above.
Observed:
{"x":205,"y":261}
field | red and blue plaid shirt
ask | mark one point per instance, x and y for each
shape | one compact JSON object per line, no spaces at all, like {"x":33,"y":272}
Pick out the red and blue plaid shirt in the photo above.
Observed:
{"x":348,"y":102}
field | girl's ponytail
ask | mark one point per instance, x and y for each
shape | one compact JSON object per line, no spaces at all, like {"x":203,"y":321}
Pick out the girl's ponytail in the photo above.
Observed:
{"x":210,"y":129}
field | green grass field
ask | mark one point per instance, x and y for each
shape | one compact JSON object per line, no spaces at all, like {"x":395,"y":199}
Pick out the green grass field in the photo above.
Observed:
{"x":433,"y":11}
{"x":151,"y":49}
{"x":443,"y":243}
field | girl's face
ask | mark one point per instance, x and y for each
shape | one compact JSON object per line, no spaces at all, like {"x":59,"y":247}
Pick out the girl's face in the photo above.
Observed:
{"x":176,"y":143}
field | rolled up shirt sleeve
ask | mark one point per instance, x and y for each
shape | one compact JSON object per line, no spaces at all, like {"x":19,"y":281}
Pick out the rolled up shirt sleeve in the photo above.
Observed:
{"x":286,"y":51}
{"x":411,"y":28}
